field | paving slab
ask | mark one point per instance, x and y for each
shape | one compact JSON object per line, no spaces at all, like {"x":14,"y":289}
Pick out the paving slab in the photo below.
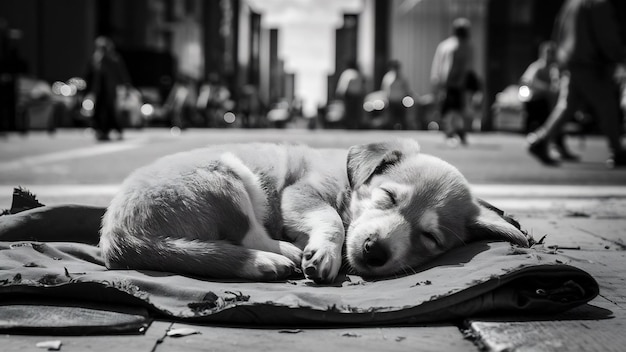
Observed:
{"x":579,"y":332}
{"x":120,"y":343}
{"x":427,"y":338}
{"x":596,"y":246}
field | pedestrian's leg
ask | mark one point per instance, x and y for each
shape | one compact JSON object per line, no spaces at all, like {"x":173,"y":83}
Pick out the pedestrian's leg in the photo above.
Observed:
{"x":459,"y":126}
{"x":561,"y":147}
{"x":603,"y":101}
{"x":609,"y":117}
{"x":452,"y":121}
{"x":99,"y":119}
{"x":564,"y":110}
{"x":115,"y":121}
{"x":111,"y":118}
{"x":105,"y":114}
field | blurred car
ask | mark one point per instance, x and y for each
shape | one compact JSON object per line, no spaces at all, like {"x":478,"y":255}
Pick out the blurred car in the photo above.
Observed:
{"x":41,"y":106}
{"x":376,"y":108}
{"x":509,"y":113}
{"x":374,"y":105}
{"x":152,"y":111}
{"x":508,"y":109}
{"x":333,"y":114}
{"x":279,"y":114}
{"x":129,"y":105}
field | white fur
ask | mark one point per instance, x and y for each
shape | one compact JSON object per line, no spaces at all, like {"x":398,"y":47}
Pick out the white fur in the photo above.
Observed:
{"x":323,"y":249}
{"x":257,"y":200}
{"x":209,"y":212}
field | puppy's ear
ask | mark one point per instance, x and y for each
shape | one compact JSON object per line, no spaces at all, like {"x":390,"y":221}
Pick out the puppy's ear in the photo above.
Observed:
{"x":367,"y":160}
{"x":491,"y":223}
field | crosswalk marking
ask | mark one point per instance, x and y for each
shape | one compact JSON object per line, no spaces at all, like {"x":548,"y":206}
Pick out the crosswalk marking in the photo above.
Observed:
{"x":509,"y":197}
{"x":70,"y":154}
{"x":483,"y":191}
{"x":549,"y":191}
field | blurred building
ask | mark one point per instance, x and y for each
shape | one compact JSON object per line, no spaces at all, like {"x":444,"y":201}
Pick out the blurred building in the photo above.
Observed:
{"x":162,"y":41}
{"x":56,"y":38}
{"x":346,"y":39}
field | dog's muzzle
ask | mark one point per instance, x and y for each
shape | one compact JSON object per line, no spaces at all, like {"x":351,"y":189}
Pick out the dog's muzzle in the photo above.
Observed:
{"x":375,"y":254}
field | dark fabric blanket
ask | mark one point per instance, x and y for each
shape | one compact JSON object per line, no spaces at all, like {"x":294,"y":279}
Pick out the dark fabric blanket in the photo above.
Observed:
{"x":63,"y":287}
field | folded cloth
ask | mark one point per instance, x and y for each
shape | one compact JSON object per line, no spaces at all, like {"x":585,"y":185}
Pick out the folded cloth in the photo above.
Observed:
{"x":64,"y":288}
{"x":70,"y":280}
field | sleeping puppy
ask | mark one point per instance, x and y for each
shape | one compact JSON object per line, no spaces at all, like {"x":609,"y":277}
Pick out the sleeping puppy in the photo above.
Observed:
{"x":264,"y":211}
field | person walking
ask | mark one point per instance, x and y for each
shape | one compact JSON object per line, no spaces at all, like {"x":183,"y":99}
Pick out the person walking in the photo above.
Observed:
{"x":396,"y":88}
{"x":542,"y":79}
{"x":453,"y":60}
{"x":351,"y":90}
{"x":106,"y":73}
{"x":589,"y":48}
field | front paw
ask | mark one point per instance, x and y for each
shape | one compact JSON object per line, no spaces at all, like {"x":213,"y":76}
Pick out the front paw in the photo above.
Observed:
{"x":321,"y":261}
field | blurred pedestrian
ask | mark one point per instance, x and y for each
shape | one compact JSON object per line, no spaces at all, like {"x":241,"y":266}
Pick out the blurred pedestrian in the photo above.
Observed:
{"x":396,"y":88}
{"x":541,"y":79}
{"x":351,"y":90}
{"x":106,"y":74}
{"x":212,"y":100}
{"x":453,"y":60}
{"x":474,"y":99}
{"x":589,"y":48}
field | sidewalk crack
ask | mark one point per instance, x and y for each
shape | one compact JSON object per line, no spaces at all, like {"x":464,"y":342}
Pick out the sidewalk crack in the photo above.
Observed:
{"x":161,"y":339}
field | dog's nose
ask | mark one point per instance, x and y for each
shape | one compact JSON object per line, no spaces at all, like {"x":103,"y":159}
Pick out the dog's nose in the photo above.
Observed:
{"x":374,"y":253}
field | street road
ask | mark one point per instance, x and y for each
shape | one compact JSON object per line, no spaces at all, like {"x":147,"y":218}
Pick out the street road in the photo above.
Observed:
{"x":70,"y":166}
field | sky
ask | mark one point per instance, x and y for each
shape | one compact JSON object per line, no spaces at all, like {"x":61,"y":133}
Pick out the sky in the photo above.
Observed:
{"x":307,"y":40}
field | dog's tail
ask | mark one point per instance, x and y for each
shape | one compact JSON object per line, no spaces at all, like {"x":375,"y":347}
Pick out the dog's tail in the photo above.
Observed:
{"x":209,"y":259}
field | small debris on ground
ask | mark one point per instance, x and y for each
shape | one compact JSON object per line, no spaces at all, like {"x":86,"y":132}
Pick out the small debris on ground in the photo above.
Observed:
{"x":181,"y":332}
{"x":52,"y":345}
{"x":577,"y":214}
{"x":290,"y":331}
{"x":541,"y":241}
{"x":556,"y":247}
{"x":427,"y":282}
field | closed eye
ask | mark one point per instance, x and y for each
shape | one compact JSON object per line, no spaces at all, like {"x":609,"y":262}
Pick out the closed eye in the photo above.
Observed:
{"x":431,"y":237}
{"x":390,"y":195}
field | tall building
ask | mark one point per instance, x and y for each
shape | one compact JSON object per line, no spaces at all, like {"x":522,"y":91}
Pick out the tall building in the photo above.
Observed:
{"x":346,"y":40}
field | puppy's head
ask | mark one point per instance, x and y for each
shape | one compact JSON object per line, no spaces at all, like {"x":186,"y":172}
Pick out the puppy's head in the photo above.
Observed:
{"x":408,"y":207}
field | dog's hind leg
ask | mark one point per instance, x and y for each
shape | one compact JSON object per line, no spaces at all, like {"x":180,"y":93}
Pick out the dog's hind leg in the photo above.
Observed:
{"x":254,"y":205}
{"x":214,"y":259}
{"x":222,"y":259}
{"x":258,"y":238}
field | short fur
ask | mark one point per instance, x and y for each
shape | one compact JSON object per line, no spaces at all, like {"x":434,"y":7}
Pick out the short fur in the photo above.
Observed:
{"x":263,"y":211}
